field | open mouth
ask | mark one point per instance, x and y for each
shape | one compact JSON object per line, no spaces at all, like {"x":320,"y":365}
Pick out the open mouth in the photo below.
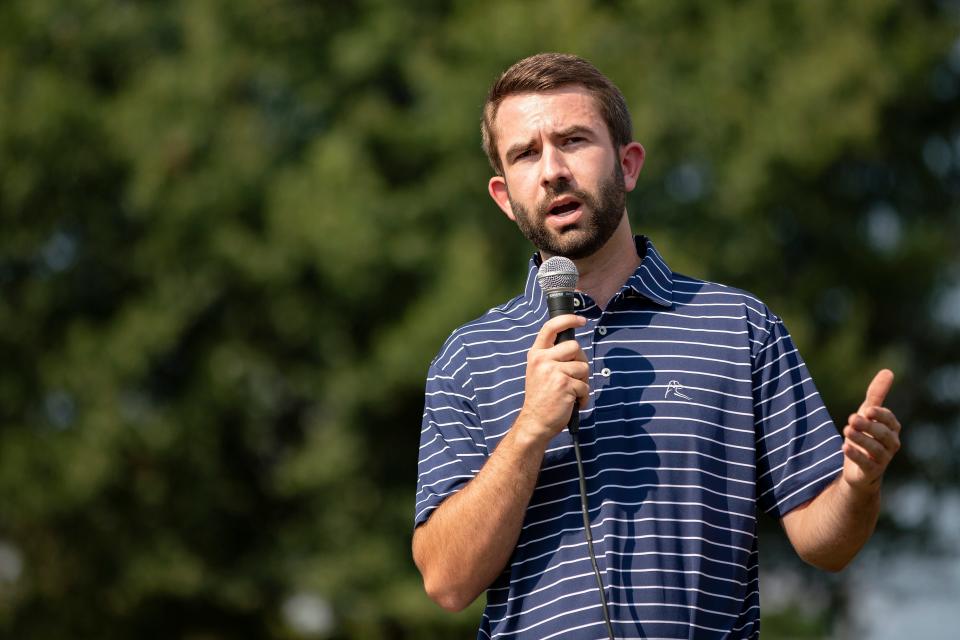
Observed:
{"x":564,"y":208}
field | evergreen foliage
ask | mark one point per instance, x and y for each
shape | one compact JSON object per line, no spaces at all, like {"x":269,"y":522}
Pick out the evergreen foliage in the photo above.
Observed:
{"x":234,"y":233}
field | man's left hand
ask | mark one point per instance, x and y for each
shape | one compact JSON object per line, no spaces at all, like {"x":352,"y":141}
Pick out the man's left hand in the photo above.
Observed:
{"x":871,"y":437}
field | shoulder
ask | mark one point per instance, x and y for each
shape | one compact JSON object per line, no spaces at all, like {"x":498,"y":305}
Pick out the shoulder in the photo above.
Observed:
{"x":713,"y":299}
{"x":497,"y":324}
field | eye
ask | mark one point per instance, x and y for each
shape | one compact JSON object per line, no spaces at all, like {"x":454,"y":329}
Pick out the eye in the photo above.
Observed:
{"x":526,"y":153}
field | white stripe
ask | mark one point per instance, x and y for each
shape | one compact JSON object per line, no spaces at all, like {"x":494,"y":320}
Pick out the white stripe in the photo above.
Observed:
{"x":779,"y":358}
{"x":682,"y":419}
{"x":701,"y":292}
{"x":773,"y":344}
{"x":528,"y":610}
{"x":460,"y":367}
{"x":675,"y":314}
{"x":774,"y":379}
{"x":436,"y":453}
{"x":671,"y":342}
{"x":427,"y":444}
{"x":638,"y":469}
{"x":503,"y":382}
{"x":426,"y":473}
{"x":632,"y":436}
{"x":649,"y":485}
{"x":791,"y":407}
{"x":833,"y":472}
{"x":646,"y":419}
{"x":519,"y":363}
{"x":688,"y":372}
{"x":597,"y":390}
{"x":584,"y":559}
{"x":650,"y":356}
{"x":666,"y":292}
{"x":828,"y":440}
{"x":797,"y":437}
{"x":449,"y":424}
{"x":711,"y":304}
{"x":504,"y":399}
{"x":546,"y":620}
{"x":787,"y":390}
{"x":455,"y":353}
{"x":646,"y":502}
{"x":798,"y":472}
{"x":522,"y":338}
{"x":789,"y":424}
{"x":672,"y":328}
{"x":450,"y":393}
{"x":686,"y":387}
{"x":473,"y":326}
{"x":658,"y":262}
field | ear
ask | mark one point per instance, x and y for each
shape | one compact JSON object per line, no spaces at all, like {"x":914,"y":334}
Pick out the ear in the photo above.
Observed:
{"x":497,"y":188}
{"x":631,"y":161}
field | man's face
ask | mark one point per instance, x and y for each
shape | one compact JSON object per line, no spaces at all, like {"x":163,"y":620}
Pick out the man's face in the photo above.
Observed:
{"x":562,"y":180}
{"x":603,"y":210}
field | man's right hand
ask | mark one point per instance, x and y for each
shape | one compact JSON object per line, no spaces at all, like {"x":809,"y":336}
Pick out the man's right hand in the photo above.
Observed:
{"x":468,"y":540}
{"x":558,"y":376}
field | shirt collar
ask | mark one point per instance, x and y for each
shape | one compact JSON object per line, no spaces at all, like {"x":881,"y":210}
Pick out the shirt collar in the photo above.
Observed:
{"x":653,"y":279}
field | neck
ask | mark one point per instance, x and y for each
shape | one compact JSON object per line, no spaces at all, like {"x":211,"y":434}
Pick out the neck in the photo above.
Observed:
{"x":603,"y":273}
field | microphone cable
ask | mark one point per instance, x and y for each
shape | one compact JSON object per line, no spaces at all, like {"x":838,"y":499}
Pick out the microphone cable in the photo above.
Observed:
{"x":558,"y":280}
{"x":574,"y":427}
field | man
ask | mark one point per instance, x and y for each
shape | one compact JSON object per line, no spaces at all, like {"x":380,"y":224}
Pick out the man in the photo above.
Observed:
{"x":695,"y":410}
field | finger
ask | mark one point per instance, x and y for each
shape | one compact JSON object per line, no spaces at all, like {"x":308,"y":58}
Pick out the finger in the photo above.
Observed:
{"x":582,"y":389}
{"x":568,"y":351}
{"x":861,"y":459}
{"x":884,"y":415}
{"x":878,"y":389}
{"x":877,"y":452}
{"x":548,"y":332}
{"x":878,"y":431}
{"x":576,"y":369}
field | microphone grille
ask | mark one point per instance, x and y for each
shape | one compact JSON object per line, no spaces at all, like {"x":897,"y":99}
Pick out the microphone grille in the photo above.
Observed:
{"x":558,"y":273}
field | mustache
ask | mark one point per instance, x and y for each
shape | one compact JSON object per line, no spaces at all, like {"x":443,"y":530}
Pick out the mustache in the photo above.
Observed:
{"x":561,"y":188}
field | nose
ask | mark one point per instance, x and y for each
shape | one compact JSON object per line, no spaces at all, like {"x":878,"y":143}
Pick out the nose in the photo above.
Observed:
{"x":555,"y":168}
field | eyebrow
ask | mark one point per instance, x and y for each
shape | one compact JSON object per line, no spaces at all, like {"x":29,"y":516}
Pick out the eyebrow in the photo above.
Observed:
{"x":569,"y":131}
{"x":516,"y":149}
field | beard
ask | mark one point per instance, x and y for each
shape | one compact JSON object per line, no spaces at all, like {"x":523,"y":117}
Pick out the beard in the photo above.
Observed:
{"x":603,"y":211}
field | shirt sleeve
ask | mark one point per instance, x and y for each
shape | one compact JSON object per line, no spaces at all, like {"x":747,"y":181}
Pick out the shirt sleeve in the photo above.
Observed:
{"x":452,"y":447}
{"x":798,"y":447}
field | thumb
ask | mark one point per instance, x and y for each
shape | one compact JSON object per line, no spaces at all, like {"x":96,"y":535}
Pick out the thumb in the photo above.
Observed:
{"x":878,"y":389}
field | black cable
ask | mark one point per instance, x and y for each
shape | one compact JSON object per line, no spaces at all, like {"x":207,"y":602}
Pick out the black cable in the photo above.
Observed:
{"x":575,"y":434}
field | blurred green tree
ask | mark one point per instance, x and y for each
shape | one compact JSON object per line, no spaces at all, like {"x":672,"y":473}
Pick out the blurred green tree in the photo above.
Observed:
{"x":235,"y":233}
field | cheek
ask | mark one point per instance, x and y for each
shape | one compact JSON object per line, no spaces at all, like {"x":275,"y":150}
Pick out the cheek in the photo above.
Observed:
{"x":595,"y":169}
{"x":522,"y":187}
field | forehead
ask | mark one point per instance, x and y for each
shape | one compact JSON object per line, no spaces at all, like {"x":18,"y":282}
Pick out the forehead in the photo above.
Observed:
{"x":526,"y":115}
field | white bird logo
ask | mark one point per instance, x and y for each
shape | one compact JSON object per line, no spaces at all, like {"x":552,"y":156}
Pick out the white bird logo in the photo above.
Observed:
{"x":677,"y":389}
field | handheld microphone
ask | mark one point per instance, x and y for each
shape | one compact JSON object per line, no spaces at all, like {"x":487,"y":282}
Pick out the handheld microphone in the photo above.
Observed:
{"x":558,"y":279}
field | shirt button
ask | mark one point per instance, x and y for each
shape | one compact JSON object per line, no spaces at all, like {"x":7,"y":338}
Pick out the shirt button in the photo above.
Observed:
{"x":576,"y":302}
{"x":602,"y":330}
{"x":605,"y":372}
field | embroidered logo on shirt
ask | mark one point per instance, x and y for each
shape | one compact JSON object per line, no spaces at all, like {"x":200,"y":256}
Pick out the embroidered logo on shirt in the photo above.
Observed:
{"x":677,"y":390}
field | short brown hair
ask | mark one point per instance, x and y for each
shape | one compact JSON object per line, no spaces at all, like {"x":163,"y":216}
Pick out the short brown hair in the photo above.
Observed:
{"x":547,"y":71}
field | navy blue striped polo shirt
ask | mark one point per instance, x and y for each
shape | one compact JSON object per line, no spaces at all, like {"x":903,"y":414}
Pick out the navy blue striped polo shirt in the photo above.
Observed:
{"x":701,"y":410}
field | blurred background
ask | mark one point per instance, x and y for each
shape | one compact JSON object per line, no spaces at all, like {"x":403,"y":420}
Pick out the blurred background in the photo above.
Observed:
{"x":235,"y":232}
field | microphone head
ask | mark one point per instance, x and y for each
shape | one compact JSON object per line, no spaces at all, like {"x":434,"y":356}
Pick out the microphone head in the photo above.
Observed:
{"x":558,"y":274}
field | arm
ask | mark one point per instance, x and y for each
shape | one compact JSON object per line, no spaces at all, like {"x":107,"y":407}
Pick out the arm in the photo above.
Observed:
{"x":829,"y":530}
{"x":469,"y":538}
